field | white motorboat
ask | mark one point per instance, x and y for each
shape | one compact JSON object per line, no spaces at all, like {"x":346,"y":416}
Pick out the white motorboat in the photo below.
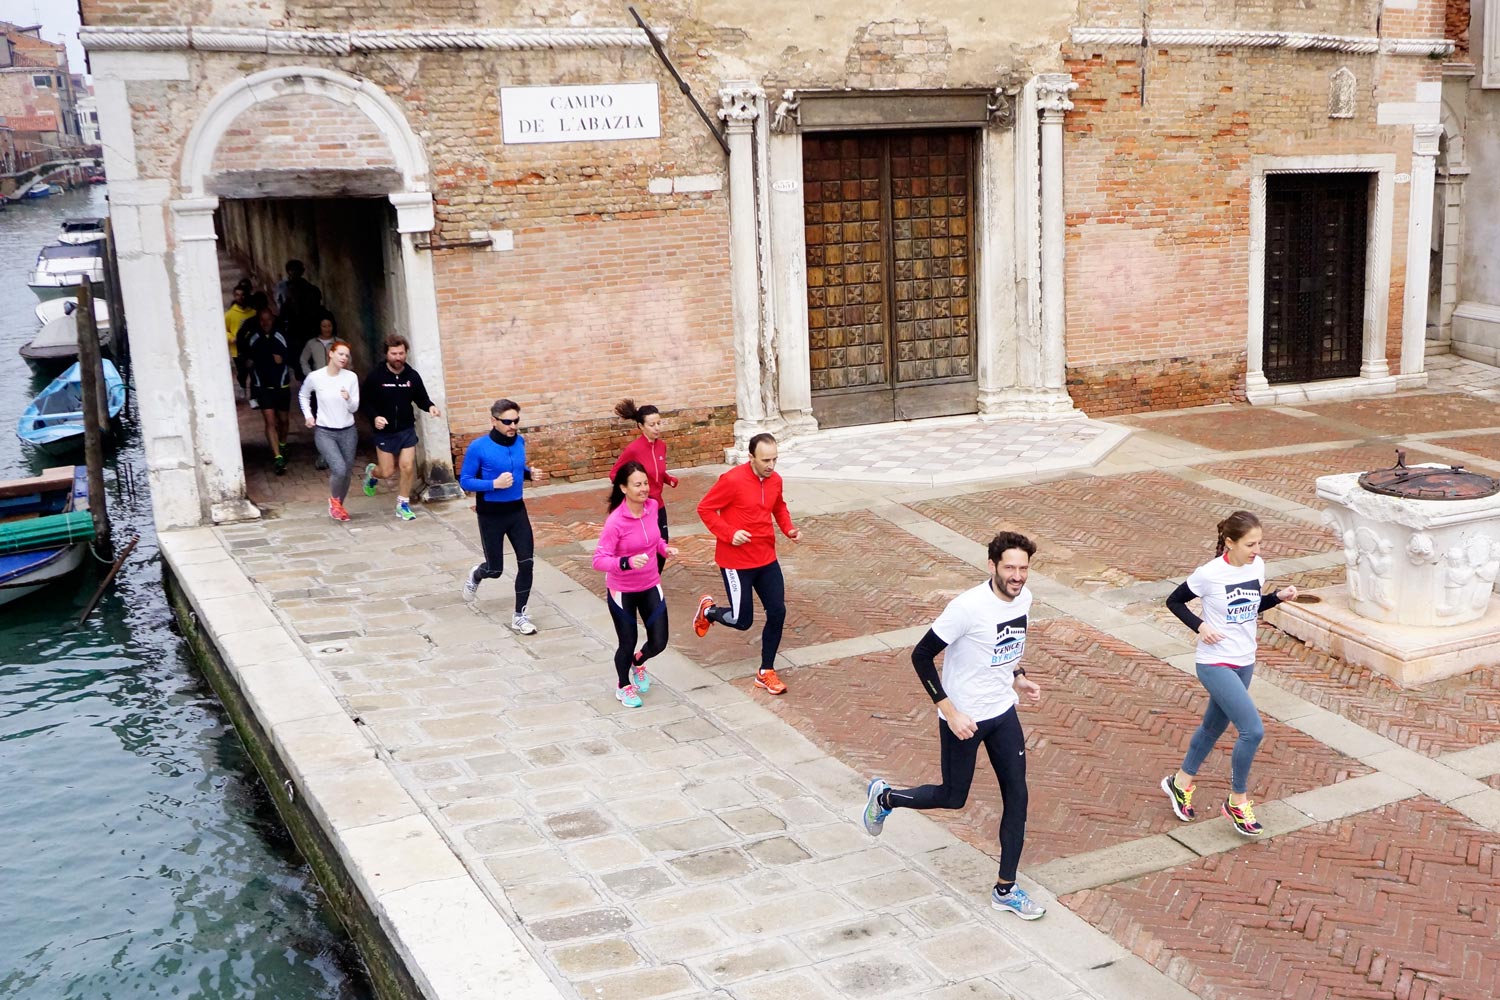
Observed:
{"x":62,"y":267}
{"x":58,"y":340}
{"x":82,"y":230}
{"x":53,"y":309}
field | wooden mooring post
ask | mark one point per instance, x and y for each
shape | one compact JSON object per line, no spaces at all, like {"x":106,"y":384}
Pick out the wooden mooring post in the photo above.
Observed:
{"x":95,"y":410}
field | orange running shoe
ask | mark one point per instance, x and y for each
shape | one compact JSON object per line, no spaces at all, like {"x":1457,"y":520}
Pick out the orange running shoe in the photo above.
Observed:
{"x":700,"y":620}
{"x":768,"y":680}
{"x":336,"y":510}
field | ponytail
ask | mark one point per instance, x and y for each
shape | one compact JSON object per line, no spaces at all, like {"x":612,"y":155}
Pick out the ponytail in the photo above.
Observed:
{"x":626,"y":409}
{"x":1234,"y":527}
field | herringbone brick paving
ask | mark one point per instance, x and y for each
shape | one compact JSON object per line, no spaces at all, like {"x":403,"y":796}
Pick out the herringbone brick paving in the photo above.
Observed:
{"x":1239,"y":428}
{"x":578,"y":515}
{"x":1452,"y":714}
{"x":1401,"y":902}
{"x":1090,"y":533}
{"x":1412,"y":414}
{"x":1294,"y":477}
{"x":1112,"y":721}
{"x":851,"y":575}
{"x":1483,"y":445}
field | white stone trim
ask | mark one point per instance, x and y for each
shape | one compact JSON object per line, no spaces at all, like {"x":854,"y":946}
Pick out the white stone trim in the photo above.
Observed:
{"x":241,"y":95}
{"x":1219,"y":38}
{"x":742,"y":107}
{"x":209,"y":38}
{"x":1489,"y":57}
{"x":1425,"y":147}
{"x":1373,"y":369}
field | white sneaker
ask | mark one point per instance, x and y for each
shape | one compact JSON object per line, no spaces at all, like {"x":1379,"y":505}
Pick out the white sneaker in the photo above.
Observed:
{"x":520,"y":623}
{"x":471,"y":583}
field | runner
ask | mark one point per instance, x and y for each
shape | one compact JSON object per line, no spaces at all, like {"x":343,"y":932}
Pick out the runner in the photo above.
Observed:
{"x":1230,"y":588}
{"x":336,"y":391}
{"x":633,"y":584}
{"x":984,"y":632}
{"x":651,"y":451}
{"x":235,"y":316}
{"x":390,"y":391}
{"x":270,"y":382}
{"x":493,"y":469}
{"x":743,"y":510}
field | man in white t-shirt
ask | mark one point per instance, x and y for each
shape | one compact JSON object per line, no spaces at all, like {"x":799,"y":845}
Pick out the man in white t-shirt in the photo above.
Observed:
{"x":983,"y":631}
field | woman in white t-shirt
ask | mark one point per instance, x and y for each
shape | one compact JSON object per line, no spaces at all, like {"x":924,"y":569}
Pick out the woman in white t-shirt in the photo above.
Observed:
{"x":1229,"y":586}
{"x":334,"y":434}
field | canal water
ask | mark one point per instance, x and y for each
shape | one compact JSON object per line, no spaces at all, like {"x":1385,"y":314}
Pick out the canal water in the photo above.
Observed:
{"x":139,"y":854}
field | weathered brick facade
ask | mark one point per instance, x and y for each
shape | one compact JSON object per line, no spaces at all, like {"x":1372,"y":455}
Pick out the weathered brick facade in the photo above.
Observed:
{"x":567,"y":275}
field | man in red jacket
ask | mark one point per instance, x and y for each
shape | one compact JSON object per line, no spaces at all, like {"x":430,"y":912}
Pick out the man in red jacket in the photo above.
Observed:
{"x":743,"y":510}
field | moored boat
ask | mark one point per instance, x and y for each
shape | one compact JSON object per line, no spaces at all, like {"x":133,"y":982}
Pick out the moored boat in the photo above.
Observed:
{"x":58,"y":340}
{"x":51,"y":309}
{"x":45,"y":529}
{"x":54,"y":420}
{"x":62,"y":267}
{"x":39,"y":191}
{"x":81,"y":230}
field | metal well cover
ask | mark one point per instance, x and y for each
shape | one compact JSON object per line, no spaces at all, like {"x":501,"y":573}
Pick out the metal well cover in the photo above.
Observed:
{"x":1429,"y":482}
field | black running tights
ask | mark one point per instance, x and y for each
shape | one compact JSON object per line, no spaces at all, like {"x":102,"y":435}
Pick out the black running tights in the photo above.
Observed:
{"x":651,"y":606}
{"x":494,"y":529}
{"x":1006,"y":745}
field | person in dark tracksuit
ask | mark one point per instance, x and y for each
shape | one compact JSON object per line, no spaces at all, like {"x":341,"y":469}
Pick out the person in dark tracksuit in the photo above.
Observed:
{"x":493,"y":469}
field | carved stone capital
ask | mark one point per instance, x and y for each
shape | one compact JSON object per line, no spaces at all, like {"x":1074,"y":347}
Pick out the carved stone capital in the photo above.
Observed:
{"x":1052,"y":90}
{"x":1425,"y":140}
{"x":740,"y":105}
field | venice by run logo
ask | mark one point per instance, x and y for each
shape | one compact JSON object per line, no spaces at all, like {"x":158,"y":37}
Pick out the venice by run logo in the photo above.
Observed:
{"x":1010,"y":642}
{"x":1242,"y":602}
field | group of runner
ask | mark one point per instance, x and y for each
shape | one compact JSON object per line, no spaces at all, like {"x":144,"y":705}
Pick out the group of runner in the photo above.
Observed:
{"x":981,"y":634}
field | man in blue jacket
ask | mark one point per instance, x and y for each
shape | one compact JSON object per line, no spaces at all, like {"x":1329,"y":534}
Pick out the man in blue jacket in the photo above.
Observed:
{"x":493,"y":469}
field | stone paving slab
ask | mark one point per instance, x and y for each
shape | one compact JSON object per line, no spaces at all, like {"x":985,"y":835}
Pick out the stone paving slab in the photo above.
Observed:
{"x":703,"y":846}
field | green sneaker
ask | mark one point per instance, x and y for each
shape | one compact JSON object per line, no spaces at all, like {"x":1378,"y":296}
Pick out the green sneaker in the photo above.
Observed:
{"x":370,"y":480}
{"x":404,"y":511}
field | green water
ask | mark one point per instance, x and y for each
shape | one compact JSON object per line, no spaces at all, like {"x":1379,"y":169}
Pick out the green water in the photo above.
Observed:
{"x":139,"y":855}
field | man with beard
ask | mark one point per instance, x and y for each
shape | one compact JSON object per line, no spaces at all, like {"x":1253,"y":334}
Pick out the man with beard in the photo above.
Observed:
{"x":984,"y":632}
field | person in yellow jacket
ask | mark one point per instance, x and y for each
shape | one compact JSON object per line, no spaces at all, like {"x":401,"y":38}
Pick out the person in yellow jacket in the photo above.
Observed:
{"x":235,"y":316}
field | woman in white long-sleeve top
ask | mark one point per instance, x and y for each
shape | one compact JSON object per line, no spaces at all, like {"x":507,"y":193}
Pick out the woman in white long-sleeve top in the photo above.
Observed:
{"x":334,"y":433}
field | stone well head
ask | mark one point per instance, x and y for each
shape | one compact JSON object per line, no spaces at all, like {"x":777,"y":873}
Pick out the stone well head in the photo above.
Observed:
{"x":1421,"y":543}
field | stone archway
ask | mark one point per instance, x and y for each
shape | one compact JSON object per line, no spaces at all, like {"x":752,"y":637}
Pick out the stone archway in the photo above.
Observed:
{"x":296,"y":132}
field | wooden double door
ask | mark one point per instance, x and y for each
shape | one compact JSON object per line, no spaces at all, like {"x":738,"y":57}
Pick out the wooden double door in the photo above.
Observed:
{"x":889,"y":220}
{"x":1316,"y":234}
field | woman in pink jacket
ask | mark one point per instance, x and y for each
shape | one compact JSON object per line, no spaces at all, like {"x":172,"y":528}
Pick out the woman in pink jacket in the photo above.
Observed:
{"x":627,"y":556}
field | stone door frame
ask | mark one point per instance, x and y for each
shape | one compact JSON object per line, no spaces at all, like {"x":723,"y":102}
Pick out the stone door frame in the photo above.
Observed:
{"x":1375,"y":377}
{"x":170,"y":273}
{"x":1018,"y":248}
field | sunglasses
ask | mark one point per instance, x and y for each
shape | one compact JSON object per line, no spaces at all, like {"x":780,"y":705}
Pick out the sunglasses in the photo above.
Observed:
{"x":509,"y":423}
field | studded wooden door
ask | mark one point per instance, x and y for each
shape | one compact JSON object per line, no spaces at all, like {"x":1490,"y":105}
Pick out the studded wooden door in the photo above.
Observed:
{"x":1315,"y":275}
{"x":889,"y":222}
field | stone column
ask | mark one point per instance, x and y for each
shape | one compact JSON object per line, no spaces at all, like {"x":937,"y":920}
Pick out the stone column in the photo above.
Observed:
{"x":1053,"y":104}
{"x":741,"y":107}
{"x":1424,"y":153}
{"x":998,"y":226}
{"x":213,"y":425}
{"x":419,"y":299}
{"x":788,"y":271}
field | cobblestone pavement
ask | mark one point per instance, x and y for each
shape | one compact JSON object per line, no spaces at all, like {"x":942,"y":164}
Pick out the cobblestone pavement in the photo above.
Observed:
{"x":708,"y":844}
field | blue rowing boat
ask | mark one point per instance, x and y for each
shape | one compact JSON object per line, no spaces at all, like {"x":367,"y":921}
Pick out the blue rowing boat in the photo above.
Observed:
{"x":54,"y":420}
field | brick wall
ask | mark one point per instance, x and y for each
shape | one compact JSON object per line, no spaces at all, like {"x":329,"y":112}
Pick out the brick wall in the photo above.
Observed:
{"x":580,"y":315}
{"x":303,"y":132}
{"x":1158,"y":191}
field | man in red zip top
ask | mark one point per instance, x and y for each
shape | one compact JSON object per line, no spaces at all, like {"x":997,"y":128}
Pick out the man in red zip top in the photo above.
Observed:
{"x":740,"y":509}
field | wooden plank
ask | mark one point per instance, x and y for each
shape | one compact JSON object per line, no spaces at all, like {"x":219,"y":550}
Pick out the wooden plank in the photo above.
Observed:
{"x":56,"y":478}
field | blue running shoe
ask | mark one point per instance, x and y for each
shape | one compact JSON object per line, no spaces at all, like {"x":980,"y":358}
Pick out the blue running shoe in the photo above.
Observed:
{"x":638,"y":675}
{"x":369,"y":483}
{"x":1016,"y":901}
{"x":875,"y":813}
